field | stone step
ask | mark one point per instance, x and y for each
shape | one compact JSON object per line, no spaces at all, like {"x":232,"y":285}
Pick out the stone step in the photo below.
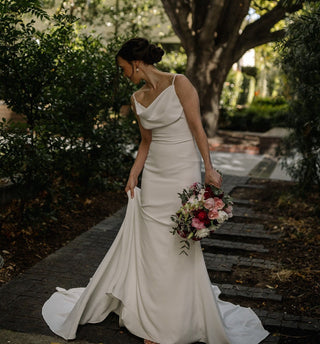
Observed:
{"x":272,"y":339}
{"x":221,"y":262}
{"x":234,"y":245}
{"x":250,"y":186}
{"x":250,"y":230}
{"x":230,"y":182}
{"x":249,"y":292}
{"x":288,"y":322}
{"x":264,"y":168}
{"x":244,"y":202}
{"x":247,"y":212}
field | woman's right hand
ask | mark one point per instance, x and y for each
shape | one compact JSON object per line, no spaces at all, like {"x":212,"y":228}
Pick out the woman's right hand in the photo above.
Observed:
{"x":131,"y":184}
{"x":213,"y":177}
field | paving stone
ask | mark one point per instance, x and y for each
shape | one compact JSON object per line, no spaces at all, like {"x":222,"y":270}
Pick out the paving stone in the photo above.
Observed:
{"x":250,"y":230}
{"x":271,"y":339}
{"x":230,"y":182}
{"x":251,"y":293}
{"x":247,"y":212}
{"x":264,"y":168}
{"x":250,"y":186}
{"x":288,"y":322}
{"x":234,"y":245}
{"x":221,"y":262}
{"x":244,"y":202}
{"x":273,"y":322}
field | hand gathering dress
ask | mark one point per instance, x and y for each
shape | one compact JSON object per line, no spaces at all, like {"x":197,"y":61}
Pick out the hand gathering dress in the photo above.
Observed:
{"x":157,"y":293}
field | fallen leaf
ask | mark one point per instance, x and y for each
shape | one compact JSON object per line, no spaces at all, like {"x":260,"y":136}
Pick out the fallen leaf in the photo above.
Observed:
{"x":87,"y":201}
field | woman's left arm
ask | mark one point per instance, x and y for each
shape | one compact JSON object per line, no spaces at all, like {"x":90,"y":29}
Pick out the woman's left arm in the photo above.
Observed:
{"x":189,"y":100}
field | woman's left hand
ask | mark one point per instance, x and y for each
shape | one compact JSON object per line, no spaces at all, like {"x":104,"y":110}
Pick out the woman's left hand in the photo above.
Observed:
{"x":213,"y":177}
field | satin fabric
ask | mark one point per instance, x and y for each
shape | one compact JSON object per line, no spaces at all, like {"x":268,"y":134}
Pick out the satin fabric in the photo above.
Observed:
{"x":158,"y":294}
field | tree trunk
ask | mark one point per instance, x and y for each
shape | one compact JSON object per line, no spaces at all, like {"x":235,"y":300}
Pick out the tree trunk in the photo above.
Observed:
{"x":215,"y":34}
{"x":208,"y":72}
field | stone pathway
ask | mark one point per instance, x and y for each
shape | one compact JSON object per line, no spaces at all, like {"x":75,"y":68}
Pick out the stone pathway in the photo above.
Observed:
{"x":21,"y":299}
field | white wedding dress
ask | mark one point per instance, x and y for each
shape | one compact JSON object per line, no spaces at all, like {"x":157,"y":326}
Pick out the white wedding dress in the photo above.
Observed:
{"x":157,"y":293}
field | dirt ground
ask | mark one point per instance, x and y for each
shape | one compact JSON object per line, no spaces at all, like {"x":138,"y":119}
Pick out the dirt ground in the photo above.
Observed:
{"x":22,"y":246}
{"x":296,"y":217}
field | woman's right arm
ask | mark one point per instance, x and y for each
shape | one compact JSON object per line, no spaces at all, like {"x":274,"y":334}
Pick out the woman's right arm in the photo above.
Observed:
{"x":146,"y":136}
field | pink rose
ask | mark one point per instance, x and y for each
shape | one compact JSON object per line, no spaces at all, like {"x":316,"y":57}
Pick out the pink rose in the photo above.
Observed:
{"x":209,"y":203}
{"x":218,"y":203}
{"x":213,"y":214}
{"x":196,"y":223}
{"x":229,"y":210}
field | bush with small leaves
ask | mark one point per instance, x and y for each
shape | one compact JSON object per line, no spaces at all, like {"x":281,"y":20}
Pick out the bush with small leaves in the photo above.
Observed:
{"x":300,"y":60}
{"x":66,"y":85}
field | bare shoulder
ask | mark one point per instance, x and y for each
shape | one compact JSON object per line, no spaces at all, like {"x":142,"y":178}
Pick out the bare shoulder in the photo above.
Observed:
{"x":183,"y":86}
{"x":181,"y":80}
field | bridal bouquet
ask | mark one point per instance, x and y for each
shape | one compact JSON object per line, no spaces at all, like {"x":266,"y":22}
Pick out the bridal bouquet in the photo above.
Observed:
{"x":204,"y":208}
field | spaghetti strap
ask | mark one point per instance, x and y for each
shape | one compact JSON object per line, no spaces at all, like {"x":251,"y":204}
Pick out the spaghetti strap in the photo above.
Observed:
{"x":174,"y":77}
{"x":135,"y":100}
{"x":135,"y":103}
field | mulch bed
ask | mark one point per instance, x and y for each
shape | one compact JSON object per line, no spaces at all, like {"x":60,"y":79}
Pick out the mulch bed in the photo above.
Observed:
{"x":296,"y":216}
{"x":22,"y":246}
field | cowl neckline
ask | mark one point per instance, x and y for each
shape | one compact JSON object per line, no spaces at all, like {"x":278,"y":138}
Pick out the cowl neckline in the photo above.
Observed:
{"x":156,"y":98}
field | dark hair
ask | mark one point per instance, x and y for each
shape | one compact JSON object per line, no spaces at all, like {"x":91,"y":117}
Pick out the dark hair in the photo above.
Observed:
{"x":140,"y":49}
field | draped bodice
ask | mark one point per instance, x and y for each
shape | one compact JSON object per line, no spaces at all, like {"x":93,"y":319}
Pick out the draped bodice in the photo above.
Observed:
{"x":165,"y":117}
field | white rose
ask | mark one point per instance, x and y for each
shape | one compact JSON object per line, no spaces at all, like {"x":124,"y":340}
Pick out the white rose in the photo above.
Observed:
{"x":223,"y":216}
{"x":202,"y":233}
{"x":201,"y":195}
{"x":192,"y":199}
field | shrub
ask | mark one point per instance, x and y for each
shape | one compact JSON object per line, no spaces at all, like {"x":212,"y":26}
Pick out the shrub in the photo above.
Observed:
{"x":174,"y":62}
{"x":300,"y":60}
{"x":64,"y":82}
{"x":261,"y":115}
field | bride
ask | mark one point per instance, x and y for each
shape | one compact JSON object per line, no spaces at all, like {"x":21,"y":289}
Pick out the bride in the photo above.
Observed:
{"x":159,"y":295}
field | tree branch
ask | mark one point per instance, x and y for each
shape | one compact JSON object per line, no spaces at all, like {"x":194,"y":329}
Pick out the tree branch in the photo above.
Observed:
{"x":231,"y":19}
{"x":259,"y":40}
{"x":258,"y":32}
{"x":178,"y":12}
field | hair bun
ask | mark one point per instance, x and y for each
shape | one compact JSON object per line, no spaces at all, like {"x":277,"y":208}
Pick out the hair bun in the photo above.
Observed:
{"x":154,"y":54}
{"x":140,"y":49}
